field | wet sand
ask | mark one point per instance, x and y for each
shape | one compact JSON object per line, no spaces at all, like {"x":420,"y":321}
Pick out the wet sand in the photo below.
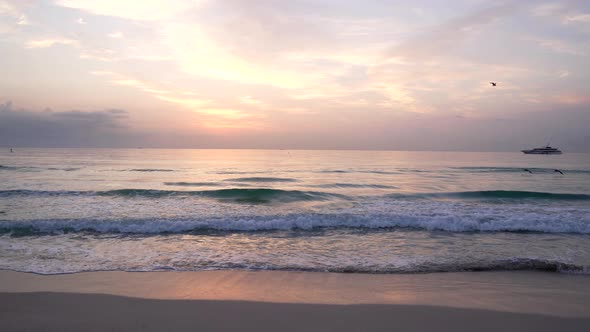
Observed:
{"x":294,"y":301}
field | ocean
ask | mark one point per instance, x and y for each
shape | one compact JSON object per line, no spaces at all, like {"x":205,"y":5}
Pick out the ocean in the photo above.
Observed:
{"x":74,"y":210}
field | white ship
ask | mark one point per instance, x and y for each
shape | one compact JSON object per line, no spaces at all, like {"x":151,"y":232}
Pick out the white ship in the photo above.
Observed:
{"x":544,"y":150}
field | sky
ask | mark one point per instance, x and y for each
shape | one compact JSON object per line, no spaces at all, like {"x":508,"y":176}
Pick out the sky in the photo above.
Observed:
{"x":309,"y":74}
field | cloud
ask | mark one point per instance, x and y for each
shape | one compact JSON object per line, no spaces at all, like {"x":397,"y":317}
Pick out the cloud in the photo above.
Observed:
{"x":110,"y":128}
{"x":199,"y":54}
{"x":563,"y":73}
{"x":140,"y":10}
{"x":263,"y":29}
{"x":117,"y":34}
{"x":8,"y":8}
{"x":103,"y":55}
{"x":211,"y":115}
{"x":548,"y":9}
{"x":189,"y":103}
{"x":272,"y":43}
{"x":15,"y":10}
{"x":571,"y":99}
{"x":559,"y":46}
{"x":124,"y":80}
{"x":583,"y":18}
{"x":22,"y":20}
{"x":44,"y":43}
{"x":443,"y":39}
{"x":568,"y":12}
{"x":21,"y":127}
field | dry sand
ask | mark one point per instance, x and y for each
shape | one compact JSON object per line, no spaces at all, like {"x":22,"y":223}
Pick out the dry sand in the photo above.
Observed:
{"x":294,"y":301}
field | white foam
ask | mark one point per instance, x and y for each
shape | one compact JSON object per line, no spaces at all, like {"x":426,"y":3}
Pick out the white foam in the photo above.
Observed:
{"x":466,"y":222}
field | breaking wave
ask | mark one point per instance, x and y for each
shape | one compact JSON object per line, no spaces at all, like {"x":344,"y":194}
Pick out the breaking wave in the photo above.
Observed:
{"x":475,"y":222}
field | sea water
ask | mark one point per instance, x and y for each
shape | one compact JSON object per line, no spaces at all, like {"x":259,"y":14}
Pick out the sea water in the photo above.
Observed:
{"x":72,"y":210}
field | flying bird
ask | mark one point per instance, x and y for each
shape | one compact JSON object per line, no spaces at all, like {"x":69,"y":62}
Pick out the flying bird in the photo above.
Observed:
{"x":493,"y":83}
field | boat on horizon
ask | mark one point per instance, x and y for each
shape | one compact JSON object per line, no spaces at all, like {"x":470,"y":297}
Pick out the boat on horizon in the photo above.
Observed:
{"x":544,"y":150}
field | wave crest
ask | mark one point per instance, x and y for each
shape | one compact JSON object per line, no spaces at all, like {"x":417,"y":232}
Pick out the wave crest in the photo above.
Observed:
{"x":306,"y":221}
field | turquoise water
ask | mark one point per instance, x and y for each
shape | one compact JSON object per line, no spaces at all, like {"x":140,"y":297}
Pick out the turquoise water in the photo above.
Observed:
{"x":71,"y":210}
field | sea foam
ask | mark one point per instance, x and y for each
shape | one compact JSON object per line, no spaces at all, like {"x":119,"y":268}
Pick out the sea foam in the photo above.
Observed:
{"x":534,"y":222}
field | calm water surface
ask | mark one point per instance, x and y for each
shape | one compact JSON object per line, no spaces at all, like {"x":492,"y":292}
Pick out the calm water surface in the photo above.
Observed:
{"x":70,"y":210}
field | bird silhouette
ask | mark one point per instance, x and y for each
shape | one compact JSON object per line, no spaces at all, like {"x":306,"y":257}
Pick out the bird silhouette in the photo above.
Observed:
{"x":528,"y":170}
{"x":558,"y":171}
{"x":493,"y":83}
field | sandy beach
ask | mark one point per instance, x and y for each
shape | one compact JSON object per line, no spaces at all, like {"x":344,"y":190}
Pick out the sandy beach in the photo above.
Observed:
{"x":294,"y":301}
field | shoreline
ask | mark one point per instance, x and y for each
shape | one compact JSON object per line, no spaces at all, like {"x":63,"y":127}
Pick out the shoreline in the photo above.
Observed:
{"x":530,"y":292}
{"x":230,"y":300}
